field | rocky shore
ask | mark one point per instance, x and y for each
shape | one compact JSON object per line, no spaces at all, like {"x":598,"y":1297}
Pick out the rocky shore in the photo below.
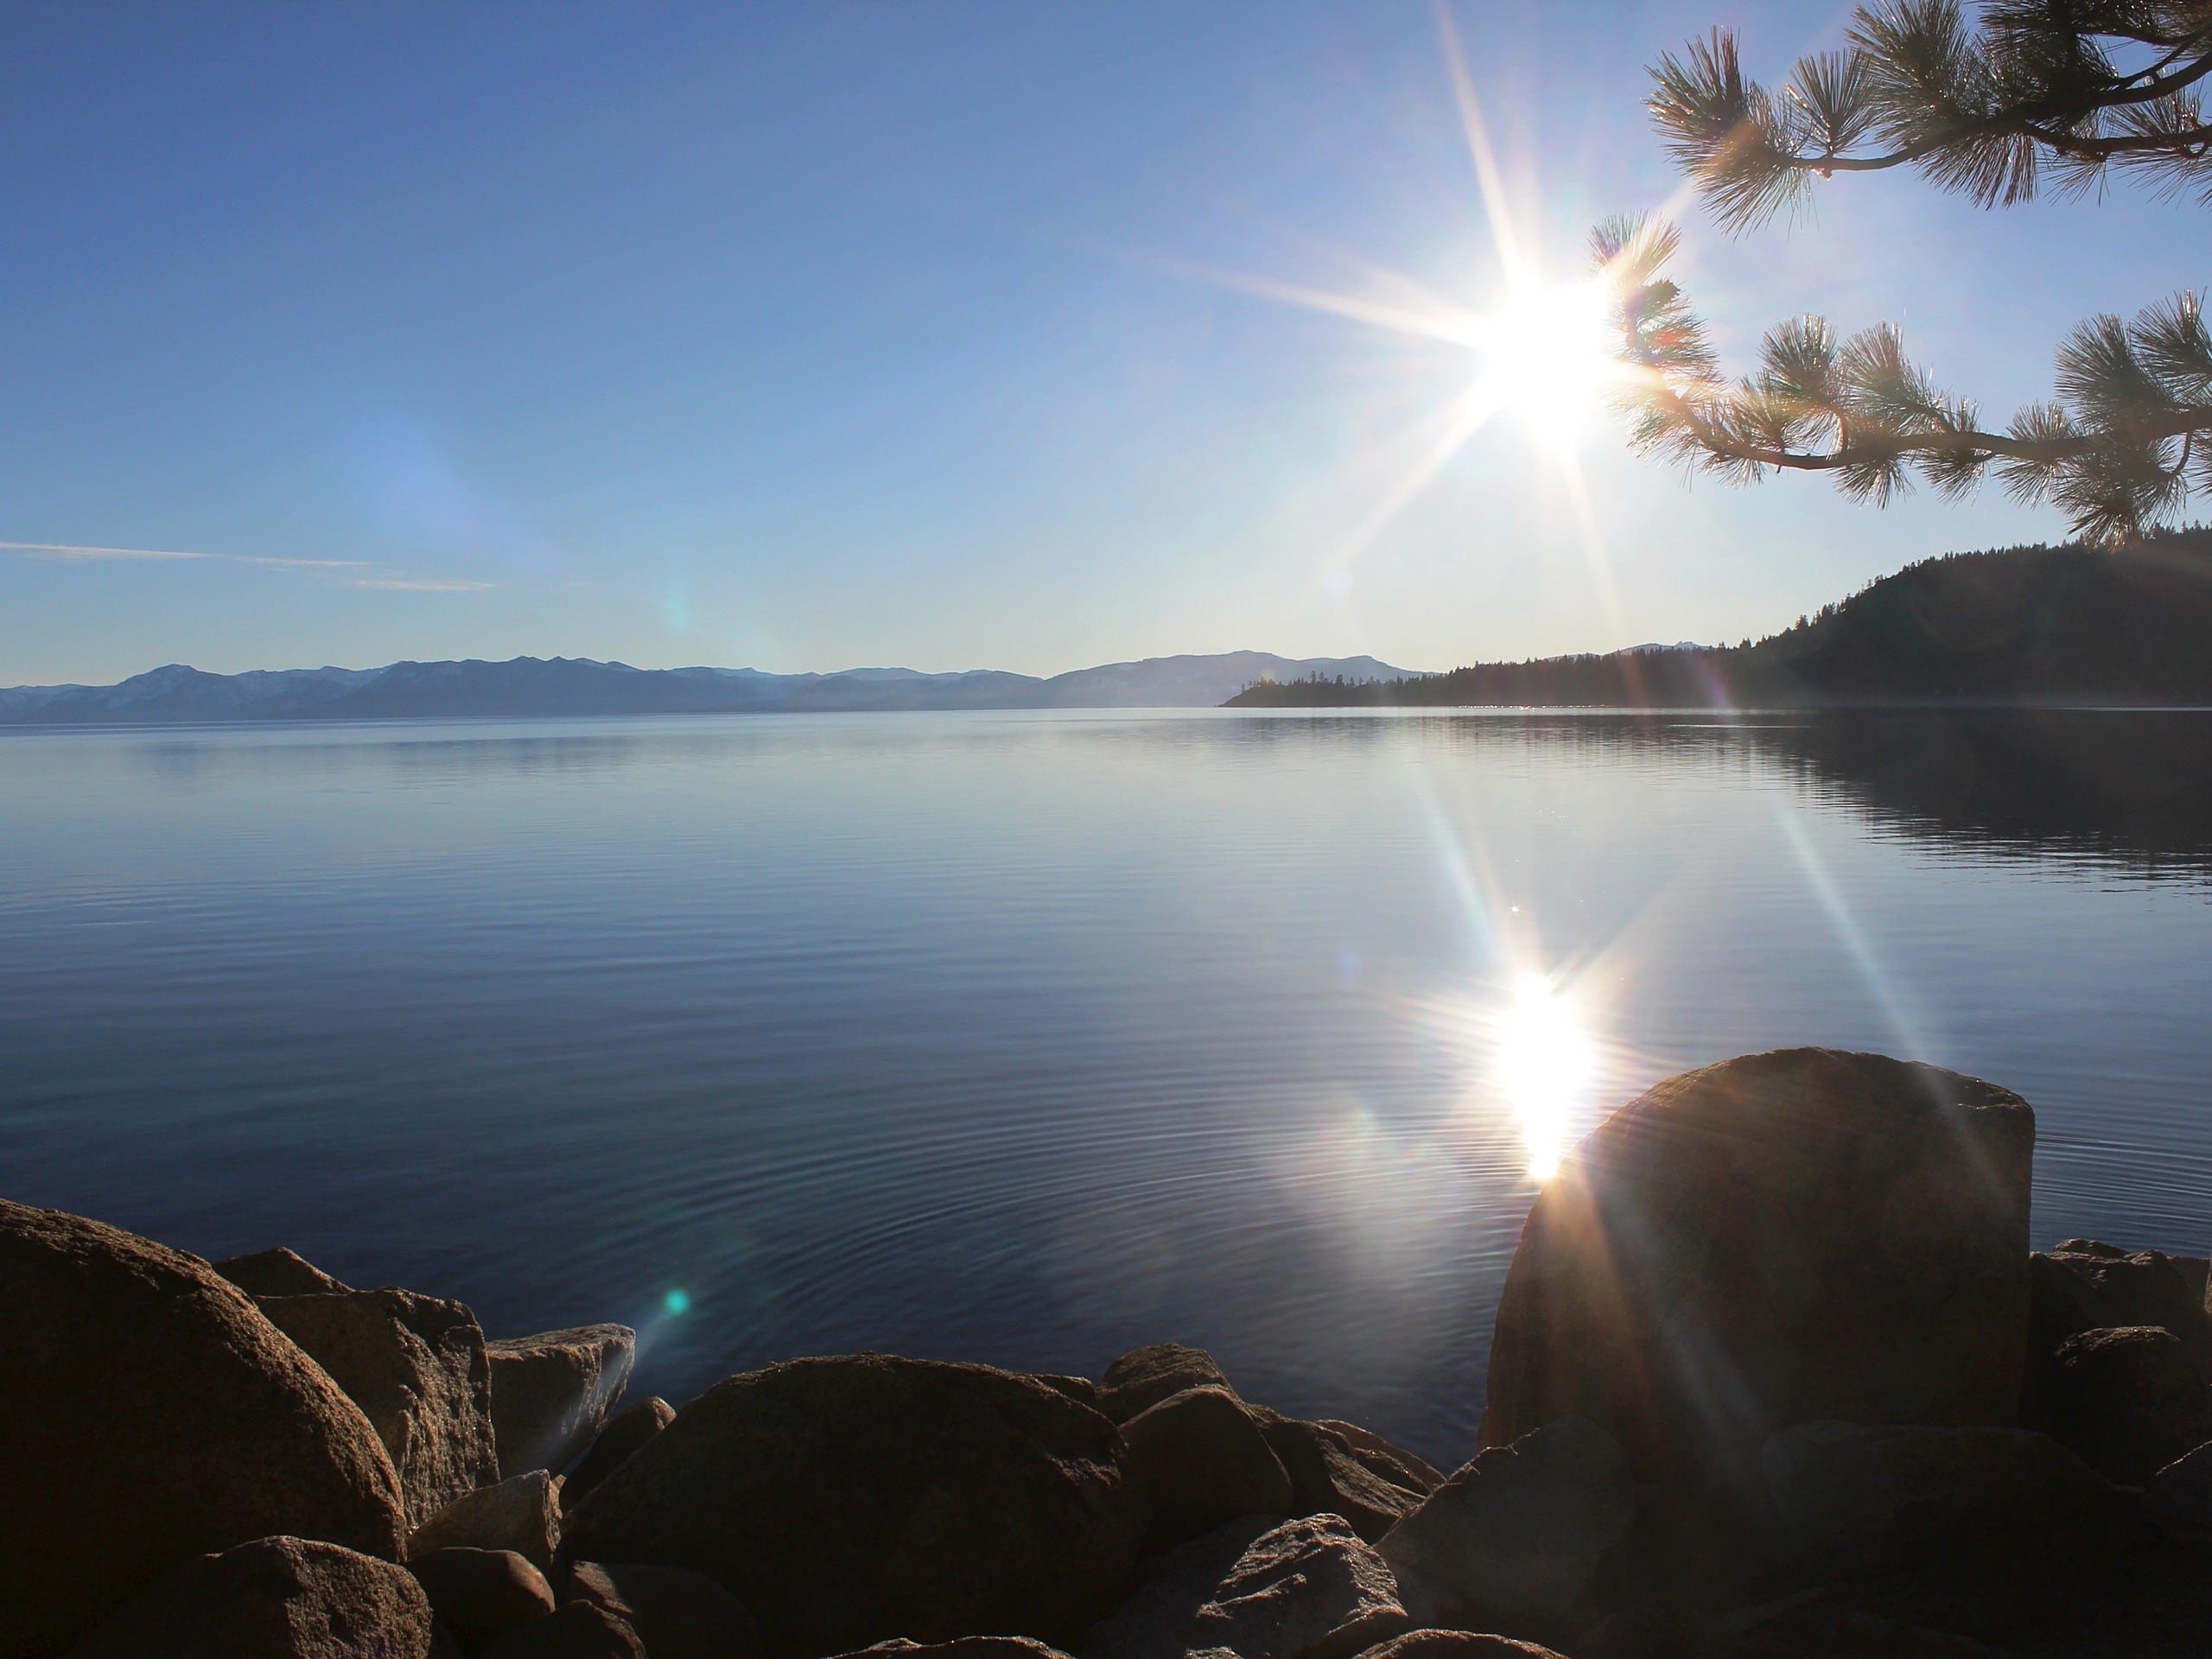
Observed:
{"x":1775,"y":1373}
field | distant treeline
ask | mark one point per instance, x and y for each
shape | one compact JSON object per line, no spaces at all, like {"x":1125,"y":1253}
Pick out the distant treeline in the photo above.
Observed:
{"x":2032,"y":624}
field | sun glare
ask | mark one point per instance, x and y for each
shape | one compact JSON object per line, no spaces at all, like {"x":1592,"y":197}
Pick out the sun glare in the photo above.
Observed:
{"x":1546,"y":356}
{"x":1544,"y":1066}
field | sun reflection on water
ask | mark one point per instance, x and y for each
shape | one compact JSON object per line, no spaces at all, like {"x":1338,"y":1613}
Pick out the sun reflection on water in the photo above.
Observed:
{"x":1545,"y":1065}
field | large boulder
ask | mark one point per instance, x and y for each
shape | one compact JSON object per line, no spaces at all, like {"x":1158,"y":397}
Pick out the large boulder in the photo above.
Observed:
{"x":1511,"y":1542}
{"x":1850,"y":1500}
{"x":551,"y":1392}
{"x":272,"y":1599}
{"x":2083,"y":1285}
{"x":2130,"y":1401}
{"x":1303,"y":1589}
{"x":625,"y":1435}
{"x":846,"y":1501}
{"x":522,"y":1514}
{"x":416,"y":1367}
{"x":1203,"y":1461}
{"x":1144,"y":1376}
{"x":1776,"y":1239}
{"x":148,"y":1414}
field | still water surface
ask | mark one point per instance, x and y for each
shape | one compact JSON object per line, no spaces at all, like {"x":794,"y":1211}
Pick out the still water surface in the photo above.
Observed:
{"x":1029,"y":1037}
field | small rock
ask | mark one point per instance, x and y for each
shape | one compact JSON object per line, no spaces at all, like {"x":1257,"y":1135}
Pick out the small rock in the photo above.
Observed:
{"x":1203,"y":1461}
{"x":2179,"y":1496}
{"x":849,"y":1500}
{"x":1394,"y":1463}
{"x":1144,"y":1376}
{"x":1303,"y":1589}
{"x":2129,"y":1401}
{"x":1328,"y":1477}
{"x":1776,"y":1239}
{"x":578,"y":1631}
{"x":479,"y":1595}
{"x":623,"y":1436}
{"x":1153,"y":1618}
{"x":273,"y":1598}
{"x":551,"y":1392}
{"x":1657,"y":1627}
{"x":1081,"y":1389}
{"x":965,"y":1647}
{"x":148,"y":1415}
{"x":1458,"y":1644}
{"x":522,"y":1514}
{"x":279,"y":1272}
{"x":417,"y":1368}
{"x":2082,"y":1285}
{"x":677,"y":1613}
{"x":1853,"y":1500}
{"x":1820,"y":1626}
{"x":1511,"y":1542}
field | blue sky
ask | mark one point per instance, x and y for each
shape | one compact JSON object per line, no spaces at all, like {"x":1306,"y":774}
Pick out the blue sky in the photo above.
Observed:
{"x":848,"y":332}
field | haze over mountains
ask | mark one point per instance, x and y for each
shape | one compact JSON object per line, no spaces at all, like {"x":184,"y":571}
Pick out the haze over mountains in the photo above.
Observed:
{"x":531,"y":686}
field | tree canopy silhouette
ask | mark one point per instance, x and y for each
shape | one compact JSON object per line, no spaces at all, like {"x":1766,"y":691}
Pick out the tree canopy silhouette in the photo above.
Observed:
{"x":2056,"y":91}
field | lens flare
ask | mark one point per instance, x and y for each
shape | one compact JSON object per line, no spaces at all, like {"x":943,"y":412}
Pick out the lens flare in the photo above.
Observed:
{"x":1546,"y":1065}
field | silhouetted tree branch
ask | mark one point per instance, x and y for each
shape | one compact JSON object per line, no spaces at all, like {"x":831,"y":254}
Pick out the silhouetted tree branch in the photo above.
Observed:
{"x":1982,"y":111}
{"x":2038,"y":88}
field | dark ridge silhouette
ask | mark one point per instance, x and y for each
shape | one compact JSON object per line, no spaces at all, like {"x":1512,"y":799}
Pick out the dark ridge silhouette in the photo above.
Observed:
{"x":2051,"y":626}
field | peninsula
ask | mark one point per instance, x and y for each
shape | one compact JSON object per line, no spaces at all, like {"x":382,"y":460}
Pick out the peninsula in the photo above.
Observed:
{"x":2038,"y":625}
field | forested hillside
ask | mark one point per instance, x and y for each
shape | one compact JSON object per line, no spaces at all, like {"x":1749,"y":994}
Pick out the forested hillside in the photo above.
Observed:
{"x":2021,"y":625}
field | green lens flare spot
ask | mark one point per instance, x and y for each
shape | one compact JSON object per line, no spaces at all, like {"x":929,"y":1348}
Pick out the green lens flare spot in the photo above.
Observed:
{"x":676,"y":1301}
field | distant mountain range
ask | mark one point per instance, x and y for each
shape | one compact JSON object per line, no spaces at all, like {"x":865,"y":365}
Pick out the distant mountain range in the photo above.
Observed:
{"x":2048,"y":625}
{"x":530,"y":686}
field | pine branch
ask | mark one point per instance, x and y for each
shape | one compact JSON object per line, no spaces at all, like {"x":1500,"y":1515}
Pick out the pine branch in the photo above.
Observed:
{"x":1986,"y":111}
{"x":2120,"y":453}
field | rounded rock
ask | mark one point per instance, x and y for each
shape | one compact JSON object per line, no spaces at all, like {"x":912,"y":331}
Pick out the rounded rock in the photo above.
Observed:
{"x":847,"y":1500}
{"x":1776,"y":1239}
{"x":151,"y":1414}
{"x":481,"y":1594}
{"x":273,"y":1598}
{"x":1204,"y":1461}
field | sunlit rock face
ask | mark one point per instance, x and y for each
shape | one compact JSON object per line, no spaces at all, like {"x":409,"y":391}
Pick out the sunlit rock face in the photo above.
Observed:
{"x":1780,"y":1238}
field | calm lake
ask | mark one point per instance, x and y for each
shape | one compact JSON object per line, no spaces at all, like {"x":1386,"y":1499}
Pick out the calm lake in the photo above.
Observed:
{"x":1027,"y":1038}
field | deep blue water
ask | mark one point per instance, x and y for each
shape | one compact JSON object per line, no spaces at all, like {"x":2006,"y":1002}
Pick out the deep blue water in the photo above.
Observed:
{"x":1027,"y":1038}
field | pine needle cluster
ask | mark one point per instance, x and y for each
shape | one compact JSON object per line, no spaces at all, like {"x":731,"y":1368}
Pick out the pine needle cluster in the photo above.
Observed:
{"x":2060,"y":91}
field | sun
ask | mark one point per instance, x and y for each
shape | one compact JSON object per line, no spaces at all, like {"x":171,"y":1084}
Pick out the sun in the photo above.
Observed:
{"x":1545,"y":355}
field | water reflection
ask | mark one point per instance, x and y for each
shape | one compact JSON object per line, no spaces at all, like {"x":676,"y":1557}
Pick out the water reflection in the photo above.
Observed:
{"x":2128,"y":789}
{"x":1545,"y":1065}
